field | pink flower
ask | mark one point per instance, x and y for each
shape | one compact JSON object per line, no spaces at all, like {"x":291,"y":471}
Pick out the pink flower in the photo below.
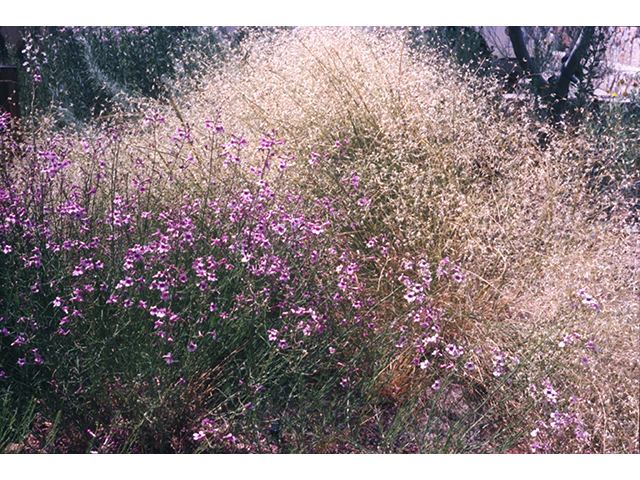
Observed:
{"x":457,"y":276}
{"x":157,"y":312}
{"x":169,"y":359}
{"x":37,"y":357}
{"x":407,"y":264}
{"x":315,"y":229}
{"x":192,"y":347}
{"x":280,"y":229}
{"x":551,"y":394}
{"x":230,"y":436}
{"x":364,"y":202}
{"x":351,"y":269}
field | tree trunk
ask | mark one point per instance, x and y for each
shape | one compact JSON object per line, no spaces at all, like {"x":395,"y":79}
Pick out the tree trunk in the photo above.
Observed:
{"x":555,"y":96}
{"x":570,"y":67}
{"x":522,"y":54}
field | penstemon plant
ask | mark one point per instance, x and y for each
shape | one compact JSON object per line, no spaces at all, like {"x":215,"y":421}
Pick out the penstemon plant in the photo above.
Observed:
{"x":240,"y":297}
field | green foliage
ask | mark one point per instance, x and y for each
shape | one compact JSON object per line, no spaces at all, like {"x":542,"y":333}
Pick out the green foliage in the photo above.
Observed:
{"x":82,"y":73}
{"x":16,"y":416}
{"x":464,"y":45}
{"x":619,"y":120}
{"x":549,"y":48}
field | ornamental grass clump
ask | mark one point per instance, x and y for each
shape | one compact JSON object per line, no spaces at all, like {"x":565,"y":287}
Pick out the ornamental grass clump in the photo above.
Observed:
{"x":431,"y":158}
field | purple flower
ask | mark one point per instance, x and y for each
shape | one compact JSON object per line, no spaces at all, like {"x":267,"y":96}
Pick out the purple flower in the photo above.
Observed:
{"x":169,"y":359}
{"x":315,"y":229}
{"x":279,"y":228}
{"x":351,"y":269}
{"x":364,"y":202}
{"x":457,"y":276}
{"x":230,"y":436}
{"x":37,"y":357}
{"x":355,"y":180}
{"x":113,"y":299}
{"x":407,"y":264}
{"x":20,"y":340}
{"x":157,"y":312}
{"x":192,"y":347}
{"x":410,"y":296}
{"x":551,"y":394}
{"x":153,"y":117}
{"x":22,"y":362}
{"x":589,"y":300}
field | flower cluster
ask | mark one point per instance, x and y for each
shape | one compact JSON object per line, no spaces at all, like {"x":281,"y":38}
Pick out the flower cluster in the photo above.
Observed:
{"x":589,"y":300}
{"x":561,"y":422}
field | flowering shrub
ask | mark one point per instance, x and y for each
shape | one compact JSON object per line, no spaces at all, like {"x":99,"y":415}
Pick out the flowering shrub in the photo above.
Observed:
{"x":246,"y":279}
